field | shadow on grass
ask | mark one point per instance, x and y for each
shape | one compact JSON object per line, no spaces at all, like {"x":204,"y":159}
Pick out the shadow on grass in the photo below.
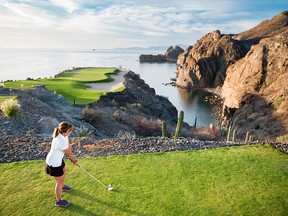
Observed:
{"x":79,"y":209}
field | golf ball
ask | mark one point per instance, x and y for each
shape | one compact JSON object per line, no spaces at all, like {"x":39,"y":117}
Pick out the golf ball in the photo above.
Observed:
{"x":110,"y":187}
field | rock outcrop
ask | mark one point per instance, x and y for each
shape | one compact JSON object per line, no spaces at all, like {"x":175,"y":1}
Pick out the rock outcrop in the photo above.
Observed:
{"x":256,"y":88}
{"x":159,"y":58}
{"x":170,"y":55}
{"x":250,"y":68}
{"x":204,"y":64}
{"x":136,"y":108}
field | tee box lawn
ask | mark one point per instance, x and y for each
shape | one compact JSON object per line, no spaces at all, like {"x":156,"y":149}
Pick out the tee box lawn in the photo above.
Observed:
{"x":245,"y":180}
{"x":72,"y":85}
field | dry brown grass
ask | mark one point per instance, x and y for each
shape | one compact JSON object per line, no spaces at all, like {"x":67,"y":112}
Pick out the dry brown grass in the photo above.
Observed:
{"x":108,"y":144}
{"x":206,"y":134}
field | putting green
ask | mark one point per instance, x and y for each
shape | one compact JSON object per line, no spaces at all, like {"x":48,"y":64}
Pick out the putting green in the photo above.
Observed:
{"x":72,"y":84}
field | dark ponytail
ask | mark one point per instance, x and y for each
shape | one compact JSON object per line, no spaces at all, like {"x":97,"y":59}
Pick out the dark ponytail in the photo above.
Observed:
{"x":55,"y":132}
{"x":63,"y":127}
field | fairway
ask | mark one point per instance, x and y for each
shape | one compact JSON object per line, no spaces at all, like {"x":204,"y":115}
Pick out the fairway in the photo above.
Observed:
{"x":247,"y":180}
{"x":72,"y":85}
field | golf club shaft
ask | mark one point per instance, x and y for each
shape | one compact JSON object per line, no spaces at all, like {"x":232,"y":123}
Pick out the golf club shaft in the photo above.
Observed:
{"x":92,"y":176}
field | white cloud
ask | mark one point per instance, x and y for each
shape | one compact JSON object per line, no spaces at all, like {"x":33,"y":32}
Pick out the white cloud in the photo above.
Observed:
{"x":68,"y":5}
{"x":21,"y":15}
{"x":117,"y":23}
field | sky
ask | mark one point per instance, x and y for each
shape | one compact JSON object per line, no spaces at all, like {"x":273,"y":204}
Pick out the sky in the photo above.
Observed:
{"x":107,"y":24}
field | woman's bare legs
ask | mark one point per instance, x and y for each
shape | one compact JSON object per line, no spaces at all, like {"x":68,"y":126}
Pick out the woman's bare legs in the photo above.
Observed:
{"x":59,"y":185}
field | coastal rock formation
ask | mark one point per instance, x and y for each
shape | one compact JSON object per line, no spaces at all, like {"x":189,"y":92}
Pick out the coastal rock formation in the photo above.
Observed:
{"x":159,"y":58}
{"x":170,"y":55}
{"x":204,"y":64}
{"x":250,"y":68}
{"x":256,"y":88}
{"x":136,"y":108}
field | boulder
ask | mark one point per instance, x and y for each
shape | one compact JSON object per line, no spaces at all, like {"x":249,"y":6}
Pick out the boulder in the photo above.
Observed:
{"x":47,"y":124}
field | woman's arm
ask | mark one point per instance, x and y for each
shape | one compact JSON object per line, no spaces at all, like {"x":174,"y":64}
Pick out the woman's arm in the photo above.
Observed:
{"x":70,"y":155}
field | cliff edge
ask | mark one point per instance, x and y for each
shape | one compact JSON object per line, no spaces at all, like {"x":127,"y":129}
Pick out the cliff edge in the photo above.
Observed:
{"x":251,"y":69}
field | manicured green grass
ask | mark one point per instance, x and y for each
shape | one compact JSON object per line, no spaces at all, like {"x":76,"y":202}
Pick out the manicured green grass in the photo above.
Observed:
{"x":72,"y":85}
{"x":248,"y":180}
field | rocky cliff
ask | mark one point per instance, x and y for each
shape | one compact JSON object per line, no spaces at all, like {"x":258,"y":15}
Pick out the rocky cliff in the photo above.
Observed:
{"x":170,"y":55}
{"x":205,"y":63}
{"x":256,"y":88}
{"x":251,"y":68}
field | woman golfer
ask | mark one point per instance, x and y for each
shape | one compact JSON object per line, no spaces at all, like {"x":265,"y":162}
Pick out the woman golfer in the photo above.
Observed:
{"x":55,"y":165}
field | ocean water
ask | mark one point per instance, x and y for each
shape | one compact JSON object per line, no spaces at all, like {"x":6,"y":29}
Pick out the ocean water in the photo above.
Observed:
{"x":16,"y":64}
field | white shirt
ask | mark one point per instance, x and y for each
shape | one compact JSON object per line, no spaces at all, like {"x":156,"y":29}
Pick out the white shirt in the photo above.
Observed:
{"x":56,"y":154}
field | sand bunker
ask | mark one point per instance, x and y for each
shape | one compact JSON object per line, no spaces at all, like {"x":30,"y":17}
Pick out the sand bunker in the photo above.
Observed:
{"x":109,"y":86}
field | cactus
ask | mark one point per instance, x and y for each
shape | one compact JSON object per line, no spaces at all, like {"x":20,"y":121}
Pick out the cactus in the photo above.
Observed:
{"x":228,"y":134}
{"x":179,"y":124}
{"x":164,"y":131}
{"x":234,"y":135}
{"x":246,"y":138}
{"x":195,"y":123}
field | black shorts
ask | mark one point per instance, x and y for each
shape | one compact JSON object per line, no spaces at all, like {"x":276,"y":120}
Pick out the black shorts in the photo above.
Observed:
{"x":55,"y":171}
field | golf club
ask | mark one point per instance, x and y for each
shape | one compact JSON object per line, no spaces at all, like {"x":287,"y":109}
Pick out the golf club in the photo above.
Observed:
{"x":110,"y":188}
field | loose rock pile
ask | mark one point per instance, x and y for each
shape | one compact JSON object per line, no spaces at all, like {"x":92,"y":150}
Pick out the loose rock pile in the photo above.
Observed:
{"x":32,"y":148}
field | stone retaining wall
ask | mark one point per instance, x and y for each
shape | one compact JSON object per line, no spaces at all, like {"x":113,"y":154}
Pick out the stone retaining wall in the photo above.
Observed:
{"x":32,"y":148}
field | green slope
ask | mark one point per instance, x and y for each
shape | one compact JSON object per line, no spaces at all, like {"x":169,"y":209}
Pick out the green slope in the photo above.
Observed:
{"x":247,"y":180}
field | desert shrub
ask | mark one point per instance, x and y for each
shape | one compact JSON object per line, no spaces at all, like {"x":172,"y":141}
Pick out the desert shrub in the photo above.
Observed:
{"x":92,"y":116}
{"x":284,"y":106}
{"x":136,"y":106}
{"x":283,"y":138}
{"x":206,"y":134}
{"x":278,"y":101}
{"x":147,"y":127}
{"x":10,"y":108}
{"x":83,"y":132}
{"x":123,"y":108}
{"x":126,"y":134}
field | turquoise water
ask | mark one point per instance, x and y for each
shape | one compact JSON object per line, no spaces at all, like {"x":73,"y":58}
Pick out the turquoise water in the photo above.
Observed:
{"x":18,"y":64}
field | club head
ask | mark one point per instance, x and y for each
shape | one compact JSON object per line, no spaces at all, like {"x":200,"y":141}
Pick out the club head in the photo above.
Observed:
{"x":110,"y":188}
